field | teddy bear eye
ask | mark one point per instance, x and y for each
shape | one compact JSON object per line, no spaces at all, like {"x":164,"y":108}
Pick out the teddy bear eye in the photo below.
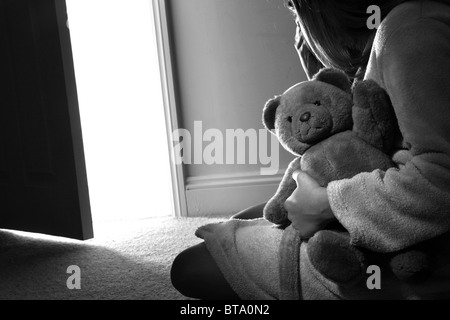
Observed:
{"x":289,"y":119}
{"x":317,"y":103}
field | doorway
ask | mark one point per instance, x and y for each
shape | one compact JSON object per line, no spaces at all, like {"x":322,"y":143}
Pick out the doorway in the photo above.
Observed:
{"x":121,"y":107}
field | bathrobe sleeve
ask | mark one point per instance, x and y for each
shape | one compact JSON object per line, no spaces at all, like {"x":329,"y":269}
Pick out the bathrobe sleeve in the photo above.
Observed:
{"x":392,"y":210}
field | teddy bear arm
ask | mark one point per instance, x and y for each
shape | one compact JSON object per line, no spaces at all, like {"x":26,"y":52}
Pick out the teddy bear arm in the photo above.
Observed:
{"x":374,"y":119}
{"x":274,"y":210}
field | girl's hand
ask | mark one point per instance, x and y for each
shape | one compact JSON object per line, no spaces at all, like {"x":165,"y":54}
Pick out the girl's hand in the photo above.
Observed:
{"x":308,"y":207}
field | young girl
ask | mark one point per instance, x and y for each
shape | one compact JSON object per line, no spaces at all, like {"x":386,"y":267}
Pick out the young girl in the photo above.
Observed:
{"x":409,"y":56}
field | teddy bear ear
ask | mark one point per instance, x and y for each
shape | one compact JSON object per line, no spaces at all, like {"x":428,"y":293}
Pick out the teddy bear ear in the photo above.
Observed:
{"x":270,"y":112}
{"x":334,"y":77}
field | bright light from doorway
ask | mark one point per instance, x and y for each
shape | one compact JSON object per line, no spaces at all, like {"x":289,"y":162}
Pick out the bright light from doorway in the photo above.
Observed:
{"x":121,"y":106}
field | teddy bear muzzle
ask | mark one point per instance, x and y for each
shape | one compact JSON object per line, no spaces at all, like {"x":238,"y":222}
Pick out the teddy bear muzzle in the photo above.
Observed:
{"x":311,"y":125}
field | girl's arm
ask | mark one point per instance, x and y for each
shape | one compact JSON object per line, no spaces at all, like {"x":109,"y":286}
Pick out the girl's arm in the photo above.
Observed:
{"x":388,"y":211}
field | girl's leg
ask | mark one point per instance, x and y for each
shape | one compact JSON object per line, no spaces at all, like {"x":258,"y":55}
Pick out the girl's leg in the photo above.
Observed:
{"x":195,"y":274}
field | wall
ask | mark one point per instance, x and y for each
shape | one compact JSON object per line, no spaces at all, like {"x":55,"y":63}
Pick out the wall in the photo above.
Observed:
{"x":230,"y":57}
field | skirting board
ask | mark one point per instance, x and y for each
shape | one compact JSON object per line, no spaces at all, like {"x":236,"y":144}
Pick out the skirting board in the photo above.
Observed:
{"x":227,"y":195}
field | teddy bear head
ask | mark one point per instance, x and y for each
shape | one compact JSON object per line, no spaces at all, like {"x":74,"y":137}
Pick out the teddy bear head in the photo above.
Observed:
{"x":311,"y":111}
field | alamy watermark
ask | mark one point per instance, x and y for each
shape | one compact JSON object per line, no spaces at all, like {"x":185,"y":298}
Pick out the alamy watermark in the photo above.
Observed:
{"x":374,"y":20}
{"x":374,"y":280}
{"x":74,"y":281}
{"x":237,"y":146}
{"x":234,"y":146}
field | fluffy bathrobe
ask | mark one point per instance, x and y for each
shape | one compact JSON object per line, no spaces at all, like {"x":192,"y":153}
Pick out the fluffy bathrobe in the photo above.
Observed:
{"x":383,"y":211}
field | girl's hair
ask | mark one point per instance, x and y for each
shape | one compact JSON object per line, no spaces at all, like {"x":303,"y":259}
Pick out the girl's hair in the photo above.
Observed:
{"x":336,"y":30}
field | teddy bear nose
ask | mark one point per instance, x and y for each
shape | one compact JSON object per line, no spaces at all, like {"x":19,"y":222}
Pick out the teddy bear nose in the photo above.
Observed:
{"x":305,"y":117}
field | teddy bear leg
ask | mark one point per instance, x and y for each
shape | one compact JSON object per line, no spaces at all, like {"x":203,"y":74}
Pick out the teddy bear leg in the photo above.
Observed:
{"x":411,"y":266}
{"x":333,"y":256}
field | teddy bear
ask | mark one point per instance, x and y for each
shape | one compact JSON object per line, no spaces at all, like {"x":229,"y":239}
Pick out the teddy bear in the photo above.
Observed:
{"x":337,"y":131}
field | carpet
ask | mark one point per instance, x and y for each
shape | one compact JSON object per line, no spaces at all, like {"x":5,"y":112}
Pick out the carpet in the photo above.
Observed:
{"x":127,"y":260}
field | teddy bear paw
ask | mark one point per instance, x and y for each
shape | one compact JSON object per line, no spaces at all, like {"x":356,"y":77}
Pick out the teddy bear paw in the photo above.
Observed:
{"x":335,"y":258}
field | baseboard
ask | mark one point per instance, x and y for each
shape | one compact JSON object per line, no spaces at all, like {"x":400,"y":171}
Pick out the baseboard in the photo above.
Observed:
{"x":228,"y":194}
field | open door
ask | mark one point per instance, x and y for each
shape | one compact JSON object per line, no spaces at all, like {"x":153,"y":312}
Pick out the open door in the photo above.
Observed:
{"x":43,"y":183}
